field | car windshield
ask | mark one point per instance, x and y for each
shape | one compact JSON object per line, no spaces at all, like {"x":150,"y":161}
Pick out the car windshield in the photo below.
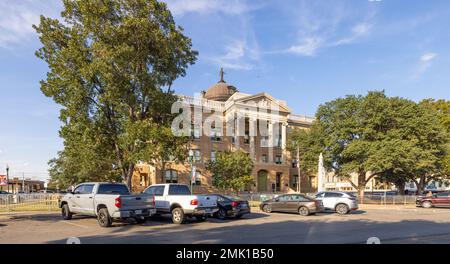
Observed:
{"x":113,"y":189}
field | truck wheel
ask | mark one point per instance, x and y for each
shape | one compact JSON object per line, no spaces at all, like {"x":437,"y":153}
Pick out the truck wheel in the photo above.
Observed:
{"x":103,"y":217}
{"x":65,"y":212}
{"x":178,"y":216}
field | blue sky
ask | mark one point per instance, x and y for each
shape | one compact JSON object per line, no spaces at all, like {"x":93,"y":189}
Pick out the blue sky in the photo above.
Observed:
{"x":305,"y":52}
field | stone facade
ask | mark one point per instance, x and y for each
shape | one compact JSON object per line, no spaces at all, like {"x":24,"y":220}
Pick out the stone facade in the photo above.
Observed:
{"x":237,"y":122}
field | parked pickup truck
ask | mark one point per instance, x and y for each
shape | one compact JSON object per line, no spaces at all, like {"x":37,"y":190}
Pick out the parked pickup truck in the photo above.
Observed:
{"x":107,"y":202}
{"x":177,"y":200}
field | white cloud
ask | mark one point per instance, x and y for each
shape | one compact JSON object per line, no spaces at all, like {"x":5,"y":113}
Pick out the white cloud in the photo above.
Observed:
{"x":17,"y":18}
{"x":428,"y":57}
{"x":358,"y":31}
{"x":238,"y":55}
{"x":424,"y":63}
{"x":308,"y":47}
{"x":235,"y":7}
{"x":322,"y":26}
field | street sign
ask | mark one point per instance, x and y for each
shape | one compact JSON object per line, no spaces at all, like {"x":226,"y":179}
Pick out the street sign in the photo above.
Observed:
{"x":3,"y":180}
{"x":194,"y":171}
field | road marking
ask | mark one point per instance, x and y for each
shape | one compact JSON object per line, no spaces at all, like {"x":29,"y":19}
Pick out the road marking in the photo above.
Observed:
{"x":75,"y":224}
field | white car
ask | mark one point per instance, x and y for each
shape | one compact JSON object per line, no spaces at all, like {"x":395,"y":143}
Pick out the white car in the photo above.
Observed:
{"x":177,"y":200}
{"x":339,"y":202}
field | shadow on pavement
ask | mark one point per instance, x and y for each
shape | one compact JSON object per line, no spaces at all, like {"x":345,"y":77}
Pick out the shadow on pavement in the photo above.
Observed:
{"x":313,"y":230}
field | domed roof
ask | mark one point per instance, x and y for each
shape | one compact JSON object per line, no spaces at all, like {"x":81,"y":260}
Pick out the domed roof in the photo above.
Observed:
{"x":220,"y":91}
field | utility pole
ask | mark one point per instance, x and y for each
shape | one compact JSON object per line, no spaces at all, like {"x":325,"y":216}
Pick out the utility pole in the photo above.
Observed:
{"x":7,"y":176}
{"x":23,"y":182}
{"x":298,"y":168}
{"x":191,"y":161}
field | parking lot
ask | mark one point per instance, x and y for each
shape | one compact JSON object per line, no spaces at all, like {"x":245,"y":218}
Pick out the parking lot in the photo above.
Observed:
{"x":390,"y":225}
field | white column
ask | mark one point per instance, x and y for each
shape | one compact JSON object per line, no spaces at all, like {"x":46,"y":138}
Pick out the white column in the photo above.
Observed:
{"x":236,"y":132}
{"x":252,"y":124}
{"x":271,"y":142}
{"x":283,"y":140}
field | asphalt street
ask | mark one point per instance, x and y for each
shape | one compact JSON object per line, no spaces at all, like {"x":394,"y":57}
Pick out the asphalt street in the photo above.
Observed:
{"x":407,"y":225}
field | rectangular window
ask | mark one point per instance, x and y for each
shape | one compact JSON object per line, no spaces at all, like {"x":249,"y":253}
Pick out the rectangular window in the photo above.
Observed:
{"x":197,"y":179}
{"x":197,"y":155}
{"x":278,"y":159}
{"x":278,"y":141}
{"x":264,"y":158}
{"x":216,"y":134}
{"x":195,"y":131}
{"x":294,"y":163}
{"x":213,"y":155}
{"x":171,"y":176}
{"x":265,"y":141}
{"x":247,"y":131}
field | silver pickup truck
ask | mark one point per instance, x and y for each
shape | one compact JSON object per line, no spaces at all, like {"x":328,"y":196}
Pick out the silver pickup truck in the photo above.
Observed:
{"x":107,"y":202}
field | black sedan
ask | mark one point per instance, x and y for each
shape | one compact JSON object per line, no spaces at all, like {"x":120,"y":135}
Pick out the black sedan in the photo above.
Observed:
{"x":231,"y":207}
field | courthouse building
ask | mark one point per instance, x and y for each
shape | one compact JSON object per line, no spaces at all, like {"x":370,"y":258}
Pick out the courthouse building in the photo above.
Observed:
{"x":239,"y":118}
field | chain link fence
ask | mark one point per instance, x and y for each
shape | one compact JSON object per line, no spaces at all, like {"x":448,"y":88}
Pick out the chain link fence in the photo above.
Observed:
{"x":29,"y":202}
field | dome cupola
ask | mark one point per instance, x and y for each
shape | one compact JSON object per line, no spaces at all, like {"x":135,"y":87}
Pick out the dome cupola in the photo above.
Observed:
{"x":220,"y":91}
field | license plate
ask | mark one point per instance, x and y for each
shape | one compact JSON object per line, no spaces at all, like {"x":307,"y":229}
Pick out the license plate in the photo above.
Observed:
{"x":138,"y":212}
{"x":208,"y":211}
{"x":244,"y":205}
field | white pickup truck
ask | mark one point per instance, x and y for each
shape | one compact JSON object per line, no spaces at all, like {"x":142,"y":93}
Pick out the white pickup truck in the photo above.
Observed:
{"x":177,"y":200}
{"x":107,"y":201}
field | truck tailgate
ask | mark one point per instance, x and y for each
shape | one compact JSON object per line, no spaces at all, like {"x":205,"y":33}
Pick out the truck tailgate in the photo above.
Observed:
{"x":136,"y":201}
{"x":207,"y":201}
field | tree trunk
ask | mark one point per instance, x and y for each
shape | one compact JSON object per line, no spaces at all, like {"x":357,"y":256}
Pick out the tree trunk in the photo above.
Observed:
{"x":361,"y":190}
{"x":163,"y":170}
{"x":129,"y":176}
{"x":421,"y":186}
{"x":362,"y":186}
{"x":401,"y":187}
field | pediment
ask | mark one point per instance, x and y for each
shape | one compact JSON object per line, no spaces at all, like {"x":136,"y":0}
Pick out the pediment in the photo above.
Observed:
{"x":264,"y":100}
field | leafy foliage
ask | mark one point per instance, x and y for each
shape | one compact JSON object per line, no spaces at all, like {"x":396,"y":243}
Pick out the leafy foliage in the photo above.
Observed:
{"x":375,"y":135}
{"x":231,"y":170}
{"x":111,"y":67}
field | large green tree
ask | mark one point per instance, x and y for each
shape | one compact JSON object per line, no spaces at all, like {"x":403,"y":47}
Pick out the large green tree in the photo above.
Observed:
{"x":367,"y":136}
{"x":441,"y":172}
{"x":231,"y":170}
{"x":111,"y":67}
